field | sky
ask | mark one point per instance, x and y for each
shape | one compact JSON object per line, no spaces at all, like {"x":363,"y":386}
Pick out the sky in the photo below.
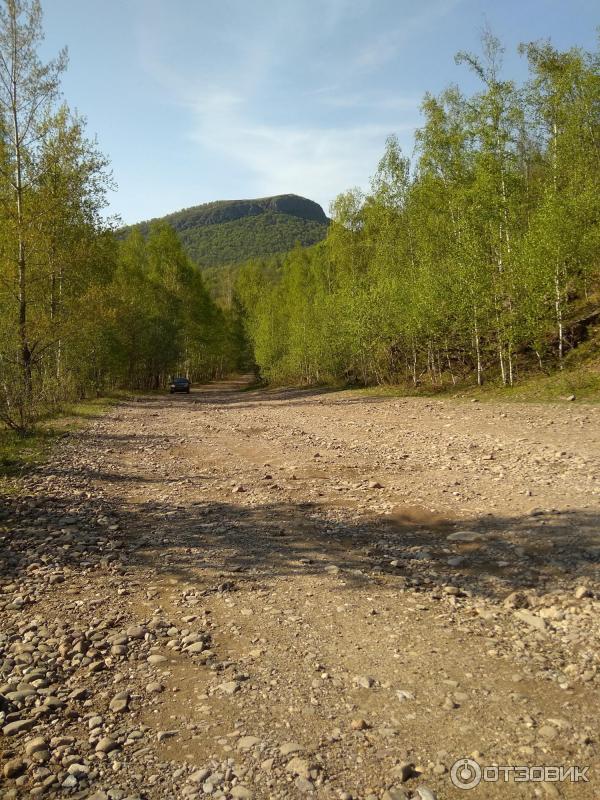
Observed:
{"x":201,"y":100}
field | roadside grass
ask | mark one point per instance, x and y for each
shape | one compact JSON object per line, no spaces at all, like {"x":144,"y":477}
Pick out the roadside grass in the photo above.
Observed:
{"x":19,"y":453}
{"x":580,"y":381}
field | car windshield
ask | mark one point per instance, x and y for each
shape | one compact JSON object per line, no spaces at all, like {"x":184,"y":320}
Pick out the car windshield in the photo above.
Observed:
{"x":180,"y":380}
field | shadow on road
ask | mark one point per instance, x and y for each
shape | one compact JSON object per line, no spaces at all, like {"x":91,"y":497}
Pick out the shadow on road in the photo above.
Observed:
{"x":486,"y":556}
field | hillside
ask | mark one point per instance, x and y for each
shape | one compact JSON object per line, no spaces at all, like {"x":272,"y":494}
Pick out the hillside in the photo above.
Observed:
{"x":232,"y":231}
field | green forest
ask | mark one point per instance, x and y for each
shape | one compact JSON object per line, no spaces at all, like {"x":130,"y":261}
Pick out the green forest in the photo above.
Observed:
{"x":467,"y":263}
{"x":462,"y":264}
{"x":231,"y":232}
{"x":81,"y":312}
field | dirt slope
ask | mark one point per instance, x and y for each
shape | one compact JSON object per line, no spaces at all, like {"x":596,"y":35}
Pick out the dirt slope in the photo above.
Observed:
{"x":280,"y":595}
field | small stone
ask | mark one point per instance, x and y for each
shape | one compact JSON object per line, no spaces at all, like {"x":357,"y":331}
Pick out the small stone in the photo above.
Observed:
{"x":241,"y":792}
{"x":78,"y":770}
{"x":119,"y":703}
{"x":548,"y":732}
{"x":229,"y":687}
{"x":359,"y":724}
{"x":18,"y":726}
{"x":156,"y":658}
{"x":364,"y":681}
{"x":516,"y":600}
{"x":423,"y":793}
{"x":298,"y":766}
{"x":550,"y":790}
{"x":199,"y":776}
{"x":162,"y":735}
{"x":154,"y":687}
{"x":35,"y":745}
{"x":247,"y":742}
{"x":403,"y":771}
{"x":375,"y":485}
{"x":287,"y":748}
{"x":464,"y":536}
{"x":14,"y":767}
{"x":106,"y":745}
{"x":581,"y":592}
{"x":394,"y":794}
{"x":136,"y":632}
{"x":533,"y":620}
{"x":304,"y":785}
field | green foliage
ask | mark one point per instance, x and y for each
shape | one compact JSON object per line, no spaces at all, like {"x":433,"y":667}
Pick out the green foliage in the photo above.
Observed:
{"x":81,"y":313}
{"x":468,"y":263}
{"x":231,"y":232}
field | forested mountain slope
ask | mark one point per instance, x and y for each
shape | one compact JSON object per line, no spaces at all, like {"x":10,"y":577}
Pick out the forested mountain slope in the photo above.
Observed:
{"x":232,"y":231}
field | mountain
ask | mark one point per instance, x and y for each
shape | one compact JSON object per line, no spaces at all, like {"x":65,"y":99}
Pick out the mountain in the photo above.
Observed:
{"x":232,"y":231}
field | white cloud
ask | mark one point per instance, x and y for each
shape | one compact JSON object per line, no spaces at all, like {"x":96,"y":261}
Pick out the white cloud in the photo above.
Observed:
{"x":312,"y":161}
{"x":307,"y":150}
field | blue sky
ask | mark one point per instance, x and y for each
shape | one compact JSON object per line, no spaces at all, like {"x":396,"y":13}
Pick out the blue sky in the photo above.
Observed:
{"x":200,"y":100}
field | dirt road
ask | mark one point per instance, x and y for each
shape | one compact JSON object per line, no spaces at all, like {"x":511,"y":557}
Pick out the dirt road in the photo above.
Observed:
{"x":239,"y":594}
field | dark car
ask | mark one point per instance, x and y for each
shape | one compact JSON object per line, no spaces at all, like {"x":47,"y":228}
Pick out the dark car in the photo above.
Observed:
{"x":179,"y":385}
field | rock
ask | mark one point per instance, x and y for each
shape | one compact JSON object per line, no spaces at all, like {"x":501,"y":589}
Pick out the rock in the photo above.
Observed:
{"x":106,"y":745}
{"x":199,"y":776}
{"x":35,"y":745}
{"x":197,"y":647}
{"x":78,"y":770}
{"x":298,"y":766}
{"x":394,"y":794}
{"x":154,"y":687}
{"x":581,"y":592}
{"x":120,"y":702}
{"x":364,"y":681}
{"x":375,"y":485}
{"x":14,"y":767}
{"x":304,"y":785}
{"x":516,"y":600}
{"x":539,"y":623}
{"x":359,"y":724}
{"x":247,"y":742}
{"x":229,"y":687}
{"x":241,"y":792}
{"x":465,"y":536}
{"x":403,"y":771}
{"x":18,"y":726}
{"x":162,"y":735}
{"x":423,"y":793}
{"x":136,"y":632}
{"x":287,"y":748}
{"x":548,"y":732}
{"x":156,"y":658}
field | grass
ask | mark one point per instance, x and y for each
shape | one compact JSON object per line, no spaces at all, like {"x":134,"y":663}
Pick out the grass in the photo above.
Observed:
{"x":20,"y":453}
{"x":579,"y":379}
